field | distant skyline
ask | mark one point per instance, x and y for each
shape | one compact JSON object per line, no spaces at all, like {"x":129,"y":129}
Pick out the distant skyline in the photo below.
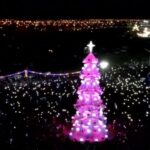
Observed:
{"x":55,"y":9}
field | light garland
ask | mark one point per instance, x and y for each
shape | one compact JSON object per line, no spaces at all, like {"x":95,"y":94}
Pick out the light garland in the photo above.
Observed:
{"x":27,"y":72}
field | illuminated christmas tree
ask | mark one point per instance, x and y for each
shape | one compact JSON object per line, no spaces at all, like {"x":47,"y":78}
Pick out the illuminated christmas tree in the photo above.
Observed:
{"x":89,"y":122}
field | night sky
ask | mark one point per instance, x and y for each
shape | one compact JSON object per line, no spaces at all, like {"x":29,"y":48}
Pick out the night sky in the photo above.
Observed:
{"x":33,"y":47}
{"x":55,"y":9}
{"x":63,"y":51}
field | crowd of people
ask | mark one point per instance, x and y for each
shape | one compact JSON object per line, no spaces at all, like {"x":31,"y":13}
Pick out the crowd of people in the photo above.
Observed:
{"x":36,"y":109}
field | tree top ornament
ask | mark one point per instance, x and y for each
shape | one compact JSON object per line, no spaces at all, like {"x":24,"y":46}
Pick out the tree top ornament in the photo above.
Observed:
{"x":90,"y":46}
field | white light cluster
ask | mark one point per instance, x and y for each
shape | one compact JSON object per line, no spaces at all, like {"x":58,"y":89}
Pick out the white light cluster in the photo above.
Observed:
{"x":104,"y":64}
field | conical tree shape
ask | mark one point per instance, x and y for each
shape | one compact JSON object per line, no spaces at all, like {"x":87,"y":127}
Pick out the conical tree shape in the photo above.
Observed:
{"x":89,"y":123}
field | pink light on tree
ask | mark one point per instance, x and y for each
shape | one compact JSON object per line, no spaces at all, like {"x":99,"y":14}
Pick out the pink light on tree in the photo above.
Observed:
{"x":89,"y":123}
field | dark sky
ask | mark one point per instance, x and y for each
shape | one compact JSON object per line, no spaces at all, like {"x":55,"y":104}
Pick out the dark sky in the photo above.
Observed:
{"x":30,"y":48}
{"x":48,"y":9}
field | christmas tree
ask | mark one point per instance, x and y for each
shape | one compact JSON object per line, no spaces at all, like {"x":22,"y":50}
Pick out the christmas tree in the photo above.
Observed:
{"x":89,"y":122}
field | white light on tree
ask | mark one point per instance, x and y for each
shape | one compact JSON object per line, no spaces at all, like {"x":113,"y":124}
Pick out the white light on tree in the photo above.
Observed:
{"x":90,"y":46}
{"x":104,"y":64}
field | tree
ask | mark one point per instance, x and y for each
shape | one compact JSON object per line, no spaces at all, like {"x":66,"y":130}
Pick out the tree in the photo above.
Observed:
{"x":89,"y":123}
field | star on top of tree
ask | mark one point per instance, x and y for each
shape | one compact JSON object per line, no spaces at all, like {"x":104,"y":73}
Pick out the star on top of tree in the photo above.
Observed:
{"x":90,"y":46}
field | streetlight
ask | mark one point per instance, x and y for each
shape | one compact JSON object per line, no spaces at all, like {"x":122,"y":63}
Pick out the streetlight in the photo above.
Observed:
{"x":104,"y":64}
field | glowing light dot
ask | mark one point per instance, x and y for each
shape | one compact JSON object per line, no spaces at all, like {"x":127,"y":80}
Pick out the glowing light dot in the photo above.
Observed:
{"x":77,"y":129}
{"x":81,"y":139}
{"x":104,"y":64}
{"x":88,"y":131}
{"x":94,"y":114}
{"x":96,"y":140}
{"x":99,"y":130}
{"x":70,"y":134}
